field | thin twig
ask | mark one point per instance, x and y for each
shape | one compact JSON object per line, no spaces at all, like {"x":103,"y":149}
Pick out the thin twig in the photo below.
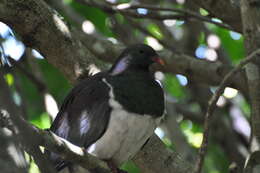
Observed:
{"x":128,"y":11}
{"x":212,"y":106}
{"x":186,"y":14}
{"x":145,"y":31}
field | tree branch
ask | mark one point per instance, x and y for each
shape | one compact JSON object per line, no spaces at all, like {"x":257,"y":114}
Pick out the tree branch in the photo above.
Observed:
{"x":130,"y":10}
{"x":45,"y":31}
{"x":227,"y":11}
{"x":67,"y":59}
{"x":251,"y":24}
{"x":212,"y":106}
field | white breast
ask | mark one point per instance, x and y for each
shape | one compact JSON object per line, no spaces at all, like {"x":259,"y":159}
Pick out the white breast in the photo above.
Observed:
{"x":125,"y":135}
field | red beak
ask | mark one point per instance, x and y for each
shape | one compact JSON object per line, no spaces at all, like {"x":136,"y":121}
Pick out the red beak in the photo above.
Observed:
{"x":158,"y":60}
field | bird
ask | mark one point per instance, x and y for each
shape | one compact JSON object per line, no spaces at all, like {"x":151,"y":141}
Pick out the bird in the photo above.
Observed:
{"x":113,"y":113}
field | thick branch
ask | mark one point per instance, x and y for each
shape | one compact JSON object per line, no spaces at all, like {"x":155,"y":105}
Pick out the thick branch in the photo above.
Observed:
{"x":251,"y":24}
{"x":160,"y":159}
{"x":43,"y":29}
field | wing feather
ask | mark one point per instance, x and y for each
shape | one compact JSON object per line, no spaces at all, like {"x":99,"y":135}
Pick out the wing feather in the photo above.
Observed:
{"x":84,"y":115}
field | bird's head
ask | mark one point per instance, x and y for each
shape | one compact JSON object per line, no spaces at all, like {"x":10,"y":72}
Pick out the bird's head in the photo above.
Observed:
{"x":136,"y":57}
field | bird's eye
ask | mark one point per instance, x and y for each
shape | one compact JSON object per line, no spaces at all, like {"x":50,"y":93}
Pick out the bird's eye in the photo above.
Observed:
{"x":141,"y":51}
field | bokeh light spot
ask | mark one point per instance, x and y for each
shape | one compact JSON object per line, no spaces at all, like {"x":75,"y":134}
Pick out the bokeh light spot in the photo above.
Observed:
{"x":200,"y":52}
{"x":154,"y":43}
{"x":169,"y":22}
{"x":88,"y":27}
{"x":213,"y":41}
{"x":182,"y":79}
{"x":235,"y":35}
{"x":142,"y":11}
{"x":230,"y":92}
{"x":211,"y":55}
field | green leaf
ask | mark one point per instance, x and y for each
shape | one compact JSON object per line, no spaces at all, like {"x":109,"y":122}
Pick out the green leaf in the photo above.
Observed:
{"x":155,"y":30}
{"x":202,"y":40}
{"x":9,"y":79}
{"x":173,"y":86}
{"x":234,"y":48}
{"x":33,"y":168}
{"x":42,"y":121}
{"x":57,"y":84}
{"x":216,"y":160}
{"x":203,"y":12}
{"x":95,"y":15}
{"x":33,"y":102}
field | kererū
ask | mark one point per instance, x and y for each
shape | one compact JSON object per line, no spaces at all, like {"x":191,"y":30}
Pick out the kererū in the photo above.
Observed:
{"x":113,"y":113}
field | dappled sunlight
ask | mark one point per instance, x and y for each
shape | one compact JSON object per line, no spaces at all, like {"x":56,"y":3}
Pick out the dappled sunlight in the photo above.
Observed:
{"x":197,"y":40}
{"x":13,"y":48}
{"x":93,"y":69}
{"x":142,"y":11}
{"x":154,"y":43}
{"x":221,"y":101}
{"x":111,"y":1}
{"x":113,"y":40}
{"x":180,"y":1}
{"x":36,"y":54}
{"x":123,"y":6}
{"x":194,"y":137}
{"x":51,"y":105}
{"x":5,"y":30}
{"x":61,"y":25}
{"x":9,"y":78}
{"x":159,"y":132}
{"x":17,"y":98}
{"x":217,"y":20}
{"x":200,"y":51}
{"x":169,"y":22}
{"x":230,"y":92}
{"x":239,"y":122}
{"x":182,"y":79}
{"x":159,"y":75}
{"x":211,"y":54}
{"x":213,"y":41}
{"x":88,"y":27}
{"x":235,"y":35}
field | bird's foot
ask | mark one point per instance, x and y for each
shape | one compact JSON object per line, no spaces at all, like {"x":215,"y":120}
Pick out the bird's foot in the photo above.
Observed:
{"x":114,"y":168}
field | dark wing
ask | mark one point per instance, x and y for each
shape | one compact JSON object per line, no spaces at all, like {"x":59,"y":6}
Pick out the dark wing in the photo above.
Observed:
{"x":84,"y":115}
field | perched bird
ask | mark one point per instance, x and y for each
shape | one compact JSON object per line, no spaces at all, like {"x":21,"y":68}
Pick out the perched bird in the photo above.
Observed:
{"x":113,"y":113}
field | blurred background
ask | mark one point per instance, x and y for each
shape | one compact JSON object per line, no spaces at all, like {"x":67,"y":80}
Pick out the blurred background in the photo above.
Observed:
{"x":211,"y":49}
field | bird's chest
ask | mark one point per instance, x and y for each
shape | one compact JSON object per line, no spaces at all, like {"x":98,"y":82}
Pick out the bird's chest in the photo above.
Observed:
{"x":125,"y":135}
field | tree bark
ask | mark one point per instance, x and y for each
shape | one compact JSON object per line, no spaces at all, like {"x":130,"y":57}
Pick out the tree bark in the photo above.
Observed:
{"x":251,"y":24}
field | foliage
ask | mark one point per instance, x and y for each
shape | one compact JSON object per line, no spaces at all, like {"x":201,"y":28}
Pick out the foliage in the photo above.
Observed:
{"x":217,"y":160}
